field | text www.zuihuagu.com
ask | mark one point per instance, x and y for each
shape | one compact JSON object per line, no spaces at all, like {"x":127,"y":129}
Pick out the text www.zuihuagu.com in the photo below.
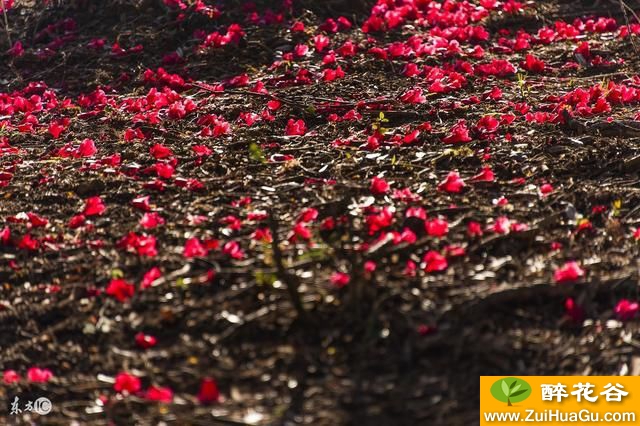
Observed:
{"x":583,"y":416}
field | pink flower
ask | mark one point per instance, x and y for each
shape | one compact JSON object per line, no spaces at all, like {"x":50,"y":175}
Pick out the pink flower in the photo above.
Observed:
{"x":434,"y":262}
{"x":296,"y":127}
{"x":459,"y":133}
{"x":159,"y":393}
{"x":626,"y":310}
{"x":10,"y":376}
{"x":39,"y":375}
{"x":209,"y":392}
{"x":379,"y":186}
{"x":94,"y":207}
{"x":340,"y":279}
{"x":120,"y":289}
{"x":569,"y":272}
{"x":452,"y":183}
{"x":126,"y":382}
{"x":636,"y":234}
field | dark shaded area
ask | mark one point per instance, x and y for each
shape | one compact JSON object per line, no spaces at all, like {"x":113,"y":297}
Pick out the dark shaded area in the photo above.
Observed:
{"x":359,"y":357}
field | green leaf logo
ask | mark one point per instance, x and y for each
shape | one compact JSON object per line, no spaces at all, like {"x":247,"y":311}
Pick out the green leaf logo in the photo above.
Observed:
{"x":510,"y":390}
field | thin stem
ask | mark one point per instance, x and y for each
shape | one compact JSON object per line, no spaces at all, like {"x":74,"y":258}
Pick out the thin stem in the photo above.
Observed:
{"x":290,"y":281}
{"x":6,"y":23}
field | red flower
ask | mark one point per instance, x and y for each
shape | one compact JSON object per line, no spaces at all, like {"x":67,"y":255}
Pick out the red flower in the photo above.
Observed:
{"x":321,"y":42}
{"x":233,"y":249}
{"x":10,"y":376}
{"x":486,"y":175}
{"x":437,"y":227}
{"x":150,"y":276}
{"x":87,"y":148}
{"x":533,"y":64}
{"x":201,"y":150}
{"x":164,"y":170}
{"x":300,"y":231}
{"x":209,"y":392}
{"x":295,"y":127}
{"x":194,"y":248}
{"x":413,"y":96}
{"x":120,"y":289}
{"x":340,"y":279}
{"x":159,"y":151}
{"x":5,"y":235}
{"x":144,"y":245}
{"x":573,"y":310}
{"x":159,"y":393}
{"x":142,"y":203}
{"x":145,"y":341}
{"x":453,"y":183}
{"x":636,"y":234}
{"x":370,"y":266}
{"x":434,"y":262}
{"x":151,"y":220}
{"x":502,"y":225}
{"x":77,"y":221}
{"x":17,"y":49}
{"x":56,"y":129}
{"x":27,"y":242}
{"x":379,"y":186}
{"x":488,"y":124}
{"x":546,"y":189}
{"x":308,"y":215}
{"x":126,"y":382}
{"x":94,"y":207}
{"x":569,"y":272}
{"x":39,"y":375}
{"x":474,"y":229}
{"x":626,"y":310}
{"x":459,"y":133}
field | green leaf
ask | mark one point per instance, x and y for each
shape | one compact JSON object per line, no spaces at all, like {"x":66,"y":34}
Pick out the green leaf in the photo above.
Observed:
{"x":513,"y":384}
{"x":515,"y":389}
{"x":505,"y":388}
{"x":256,"y":153}
{"x":520,"y":392}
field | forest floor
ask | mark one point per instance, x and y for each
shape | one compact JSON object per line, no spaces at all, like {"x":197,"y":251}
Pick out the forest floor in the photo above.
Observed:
{"x":262,"y":214}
